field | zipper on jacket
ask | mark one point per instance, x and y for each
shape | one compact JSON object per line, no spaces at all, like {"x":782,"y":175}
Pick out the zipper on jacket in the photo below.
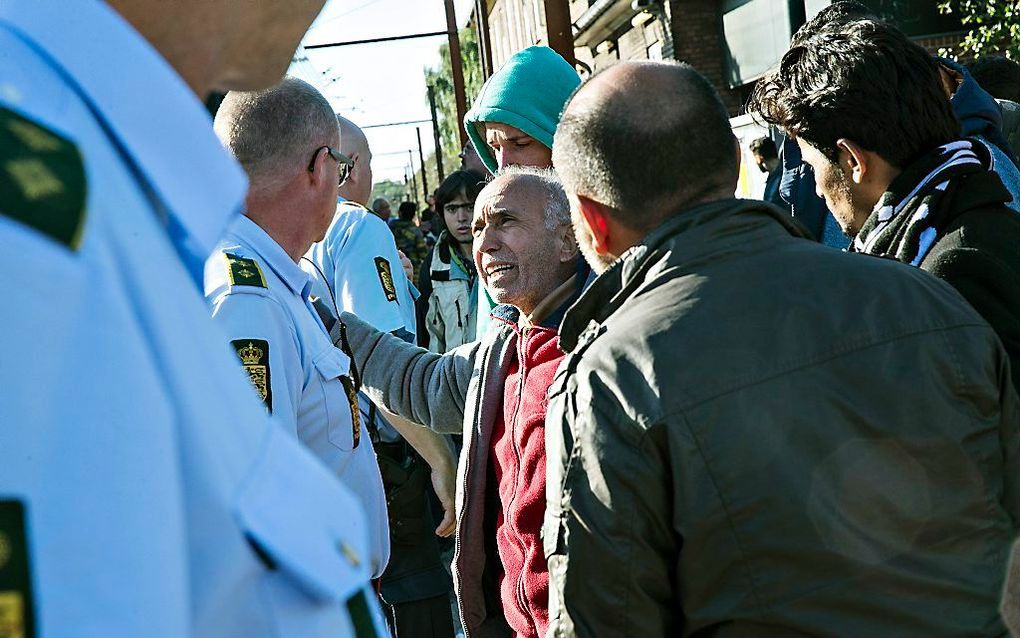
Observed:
{"x":521,"y":595}
{"x":457,"y":303}
{"x":462,"y":515}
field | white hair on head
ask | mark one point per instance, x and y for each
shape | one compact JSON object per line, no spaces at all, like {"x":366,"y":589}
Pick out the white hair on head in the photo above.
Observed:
{"x":557,"y":206}
{"x":275,"y":131}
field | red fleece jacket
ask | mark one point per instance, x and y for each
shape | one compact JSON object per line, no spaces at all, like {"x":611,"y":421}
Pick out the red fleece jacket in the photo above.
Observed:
{"x":518,"y":457}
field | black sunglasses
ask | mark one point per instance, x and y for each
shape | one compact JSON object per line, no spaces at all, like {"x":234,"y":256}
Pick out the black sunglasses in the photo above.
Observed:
{"x":344,"y":163}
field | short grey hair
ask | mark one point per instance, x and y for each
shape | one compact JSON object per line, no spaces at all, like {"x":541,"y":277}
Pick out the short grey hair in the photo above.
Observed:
{"x":273,"y":131}
{"x":557,"y":206}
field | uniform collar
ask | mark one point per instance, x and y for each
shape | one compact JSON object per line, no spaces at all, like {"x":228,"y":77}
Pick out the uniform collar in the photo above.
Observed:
{"x":713,"y":231}
{"x":156,"y":118}
{"x":275,"y":257}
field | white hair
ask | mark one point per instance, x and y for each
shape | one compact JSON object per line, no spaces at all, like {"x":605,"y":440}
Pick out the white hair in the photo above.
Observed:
{"x":275,"y":131}
{"x":557,"y":206}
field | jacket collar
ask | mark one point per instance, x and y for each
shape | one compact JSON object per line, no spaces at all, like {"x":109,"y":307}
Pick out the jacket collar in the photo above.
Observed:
{"x":444,"y":266}
{"x":690,"y":236}
{"x":275,"y":257}
{"x":141,"y":100}
{"x":582,"y":278}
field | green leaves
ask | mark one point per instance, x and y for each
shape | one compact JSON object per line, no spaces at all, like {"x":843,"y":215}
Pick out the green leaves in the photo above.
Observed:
{"x":994,"y":27}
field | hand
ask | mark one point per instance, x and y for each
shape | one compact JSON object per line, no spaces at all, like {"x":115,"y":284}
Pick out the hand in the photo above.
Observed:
{"x":406,"y":263}
{"x":444,"y":482}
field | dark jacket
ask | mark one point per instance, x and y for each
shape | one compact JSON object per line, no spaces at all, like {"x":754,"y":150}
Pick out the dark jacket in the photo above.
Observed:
{"x":799,"y":195}
{"x":410,"y":241}
{"x":1011,"y":124}
{"x":977,"y":111}
{"x":695,"y":488}
{"x":976,"y":250}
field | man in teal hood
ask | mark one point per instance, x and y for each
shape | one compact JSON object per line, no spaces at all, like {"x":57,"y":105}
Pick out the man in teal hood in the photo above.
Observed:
{"x":514,"y":117}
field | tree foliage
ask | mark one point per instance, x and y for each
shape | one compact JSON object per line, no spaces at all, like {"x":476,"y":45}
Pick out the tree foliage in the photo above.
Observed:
{"x":394,"y":192}
{"x":993,"y":26}
{"x":441,"y":79}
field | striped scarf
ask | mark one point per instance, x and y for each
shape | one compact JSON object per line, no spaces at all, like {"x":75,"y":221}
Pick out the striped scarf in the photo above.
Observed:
{"x":914,"y":212}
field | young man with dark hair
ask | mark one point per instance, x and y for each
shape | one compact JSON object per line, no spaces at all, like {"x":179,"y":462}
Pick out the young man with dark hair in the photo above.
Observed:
{"x":448,"y":281}
{"x":868,"y":110}
{"x":695,"y":488}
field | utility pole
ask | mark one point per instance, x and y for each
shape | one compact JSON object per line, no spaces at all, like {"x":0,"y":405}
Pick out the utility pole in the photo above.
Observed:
{"x":414,"y":180}
{"x":435,"y":134}
{"x":558,"y":26}
{"x":421,"y":158}
{"x":457,"y":66}
{"x":484,"y":43}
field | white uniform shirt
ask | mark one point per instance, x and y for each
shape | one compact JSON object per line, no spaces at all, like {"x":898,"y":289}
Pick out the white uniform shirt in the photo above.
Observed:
{"x":358,"y":258}
{"x":302,"y":377}
{"x":127,"y":431}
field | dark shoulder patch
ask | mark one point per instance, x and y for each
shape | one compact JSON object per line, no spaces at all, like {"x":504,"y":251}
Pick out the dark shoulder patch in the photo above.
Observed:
{"x":244,"y":271}
{"x":386,"y":278}
{"x":42,"y":179}
{"x":254,"y":355}
{"x":17,"y":616}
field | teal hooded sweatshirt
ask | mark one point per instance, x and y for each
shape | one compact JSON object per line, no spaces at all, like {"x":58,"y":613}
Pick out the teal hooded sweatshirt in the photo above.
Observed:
{"x":528,"y":92}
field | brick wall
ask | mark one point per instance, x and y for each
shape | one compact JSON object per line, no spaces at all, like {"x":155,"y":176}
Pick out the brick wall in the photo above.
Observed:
{"x":697,"y":37}
{"x":933,"y":44}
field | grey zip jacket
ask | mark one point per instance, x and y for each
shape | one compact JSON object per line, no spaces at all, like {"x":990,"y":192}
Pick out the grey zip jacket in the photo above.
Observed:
{"x":459,"y":392}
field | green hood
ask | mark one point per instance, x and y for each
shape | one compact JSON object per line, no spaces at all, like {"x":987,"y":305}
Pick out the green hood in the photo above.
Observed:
{"x":528,"y":93}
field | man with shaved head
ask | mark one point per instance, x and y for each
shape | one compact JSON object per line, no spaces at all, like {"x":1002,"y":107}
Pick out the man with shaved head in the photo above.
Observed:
{"x":694,"y":487}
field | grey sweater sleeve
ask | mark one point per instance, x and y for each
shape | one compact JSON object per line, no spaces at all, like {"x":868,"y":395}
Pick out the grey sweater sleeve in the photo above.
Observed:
{"x":417,"y":384}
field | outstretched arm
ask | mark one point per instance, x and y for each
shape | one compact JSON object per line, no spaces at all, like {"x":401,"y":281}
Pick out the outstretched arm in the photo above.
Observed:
{"x":418,"y":385}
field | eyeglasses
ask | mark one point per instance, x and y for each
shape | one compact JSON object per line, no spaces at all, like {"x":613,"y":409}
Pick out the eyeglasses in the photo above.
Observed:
{"x":344,"y":164}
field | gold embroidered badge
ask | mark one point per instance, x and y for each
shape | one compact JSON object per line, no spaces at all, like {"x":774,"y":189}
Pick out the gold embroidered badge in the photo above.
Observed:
{"x":42,"y":180}
{"x":17,"y":615}
{"x":254,"y":355}
{"x":12,"y":615}
{"x":244,"y":272}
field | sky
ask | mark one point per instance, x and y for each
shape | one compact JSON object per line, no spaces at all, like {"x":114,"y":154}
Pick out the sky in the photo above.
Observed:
{"x":383,"y":82}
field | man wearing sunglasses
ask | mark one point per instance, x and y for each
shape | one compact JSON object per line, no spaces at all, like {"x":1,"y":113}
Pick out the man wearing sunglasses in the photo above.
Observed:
{"x":356,"y":268}
{"x":286,"y":138}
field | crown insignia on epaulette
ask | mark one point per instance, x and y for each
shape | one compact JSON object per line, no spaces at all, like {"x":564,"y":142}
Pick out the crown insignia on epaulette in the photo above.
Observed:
{"x":250,"y":354}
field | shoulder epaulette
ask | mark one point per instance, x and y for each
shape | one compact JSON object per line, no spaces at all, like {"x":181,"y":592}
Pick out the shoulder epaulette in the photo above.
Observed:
{"x":244,"y":272}
{"x":42,"y":179}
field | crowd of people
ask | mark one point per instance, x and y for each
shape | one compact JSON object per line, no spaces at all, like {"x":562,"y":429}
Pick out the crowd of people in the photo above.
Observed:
{"x":585,"y":392}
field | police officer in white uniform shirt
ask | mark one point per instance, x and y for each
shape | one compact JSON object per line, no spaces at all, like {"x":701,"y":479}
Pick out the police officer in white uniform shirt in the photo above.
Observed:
{"x":286,"y":139}
{"x":356,"y":268}
{"x":143,"y":491}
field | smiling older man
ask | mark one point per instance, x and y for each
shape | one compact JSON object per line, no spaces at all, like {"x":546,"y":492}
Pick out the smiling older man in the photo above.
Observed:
{"x":528,"y":260}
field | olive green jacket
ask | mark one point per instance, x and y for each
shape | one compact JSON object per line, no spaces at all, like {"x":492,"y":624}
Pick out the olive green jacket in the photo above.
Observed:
{"x":755,"y":435}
